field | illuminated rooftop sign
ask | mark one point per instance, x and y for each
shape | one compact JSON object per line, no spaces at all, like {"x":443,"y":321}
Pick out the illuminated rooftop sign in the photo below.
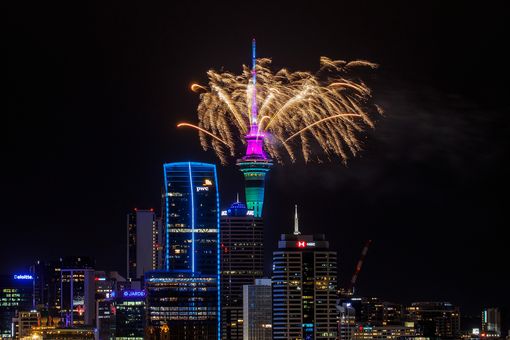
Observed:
{"x":23,"y":277}
{"x":133,"y":293}
{"x":304,"y":244}
{"x":202,"y":189}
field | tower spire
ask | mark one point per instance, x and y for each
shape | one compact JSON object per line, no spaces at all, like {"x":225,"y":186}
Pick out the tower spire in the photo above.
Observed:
{"x":296,"y":222}
{"x":254,"y":164}
{"x":254,"y":109}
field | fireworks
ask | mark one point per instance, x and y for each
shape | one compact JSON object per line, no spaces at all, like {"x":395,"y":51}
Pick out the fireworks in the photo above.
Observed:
{"x":316,"y":115}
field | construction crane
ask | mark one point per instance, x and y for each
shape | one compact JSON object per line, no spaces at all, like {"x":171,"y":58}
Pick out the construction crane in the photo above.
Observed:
{"x":350,"y":290}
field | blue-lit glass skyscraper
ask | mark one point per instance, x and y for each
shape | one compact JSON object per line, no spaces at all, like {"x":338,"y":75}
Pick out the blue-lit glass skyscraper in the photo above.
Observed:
{"x":183,"y":299}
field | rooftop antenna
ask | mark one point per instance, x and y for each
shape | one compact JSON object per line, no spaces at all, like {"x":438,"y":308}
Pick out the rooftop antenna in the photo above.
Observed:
{"x":296,"y":221}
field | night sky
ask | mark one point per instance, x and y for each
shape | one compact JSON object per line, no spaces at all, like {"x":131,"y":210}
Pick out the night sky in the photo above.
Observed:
{"x":95,"y":90}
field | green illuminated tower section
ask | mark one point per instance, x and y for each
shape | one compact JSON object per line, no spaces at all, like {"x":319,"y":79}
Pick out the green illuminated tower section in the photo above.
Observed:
{"x":255,"y":164}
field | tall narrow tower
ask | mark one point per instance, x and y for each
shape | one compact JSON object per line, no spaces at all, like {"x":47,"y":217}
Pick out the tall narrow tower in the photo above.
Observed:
{"x":255,"y":164}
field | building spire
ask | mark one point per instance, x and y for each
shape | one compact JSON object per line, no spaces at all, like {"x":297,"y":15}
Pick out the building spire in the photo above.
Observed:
{"x":296,"y":222}
{"x":254,"y":109}
{"x":237,"y":201}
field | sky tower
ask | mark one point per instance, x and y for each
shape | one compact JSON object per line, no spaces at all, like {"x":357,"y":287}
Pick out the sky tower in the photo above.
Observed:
{"x":255,"y":164}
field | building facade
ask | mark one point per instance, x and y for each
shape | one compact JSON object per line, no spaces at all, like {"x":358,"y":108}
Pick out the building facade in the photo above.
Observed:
{"x":143,"y":247}
{"x":304,"y":288}
{"x":491,"y":322}
{"x":77,"y":298}
{"x":16,"y":296}
{"x":257,"y":310}
{"x":436,"y":319}
{"x":185,"y":296}
{"x":242,"y":261}
{"x":128,"y":315}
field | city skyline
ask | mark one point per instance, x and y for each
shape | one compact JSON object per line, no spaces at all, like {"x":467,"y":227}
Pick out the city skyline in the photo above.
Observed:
{"x":425,"y":189}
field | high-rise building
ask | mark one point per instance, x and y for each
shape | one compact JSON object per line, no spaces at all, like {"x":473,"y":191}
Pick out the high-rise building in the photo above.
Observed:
{"x":77,"y":296}
{"x":47,"y":284}
{"x":255,"y":164}
{"x":128,"y":315}
{"x":257,"y":310}
{"x":106,"y":286}
{"x":347,"y":320}
{"x":242,"y":261}
{"x":491,"y":322}
{"x":144,"y":249}
{"x":304,"y":287}
{"x":16,"y":295}
{"x":436,"y":319}
{"x":185,"y":297}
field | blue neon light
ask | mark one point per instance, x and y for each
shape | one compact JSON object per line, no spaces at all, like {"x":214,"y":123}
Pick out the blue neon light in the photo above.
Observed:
{"x":23,"y":277}
{"x":133,"y":293}
{"x":192,"y":220}
{"x":218,"y":249}
{"x":167,"y":255}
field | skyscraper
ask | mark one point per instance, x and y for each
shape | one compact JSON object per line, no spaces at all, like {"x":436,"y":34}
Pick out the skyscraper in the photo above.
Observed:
{"x":185,"y":297}
{"x":78,"y":305}
{"x":257,"y":310}
{"x":304,"y":287}
{"x":491,"y":322}
{"x":16,"y":293}
{"x":254,"y":164}
{"x":142,"y":255}
{"x":129,"y":315}
{"x":242,"y":261}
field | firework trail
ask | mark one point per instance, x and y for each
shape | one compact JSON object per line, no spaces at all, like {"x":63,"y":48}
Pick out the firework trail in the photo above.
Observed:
{"x":295,"y":113}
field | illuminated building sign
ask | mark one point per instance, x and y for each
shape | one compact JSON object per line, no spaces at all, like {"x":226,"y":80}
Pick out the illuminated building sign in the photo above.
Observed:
{"x":250,"y":213}
{"x":133,"y":293}
{"x":304,"y":244}
{"x":207,"y":182}
{"x":202,"y":189}
{"x":224,"y":213}
{"x":100,"y":278}
{"x":23,"y":277}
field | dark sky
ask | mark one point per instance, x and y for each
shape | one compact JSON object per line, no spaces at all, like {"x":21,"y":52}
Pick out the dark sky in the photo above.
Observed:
{"x":95,"y":92}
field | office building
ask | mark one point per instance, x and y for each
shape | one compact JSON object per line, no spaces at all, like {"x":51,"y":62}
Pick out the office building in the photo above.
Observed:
{"x":385,"y":332}
{"x":128,"y":315}
{"x":241,"y":258}
{"x":23,"y":322}
{"x":144,"y":246}
{"x":491,"y":322}
{"x":436,"y":319}
{"x":304,"y":287}
{"x":77,"y":297}
{"x":257,"y":310}
{"x":185,"y":296}
{"x":346,"y":321}
{"x":16,"y":296}
{"x":47,"y":284}
{"x":106,"y":286}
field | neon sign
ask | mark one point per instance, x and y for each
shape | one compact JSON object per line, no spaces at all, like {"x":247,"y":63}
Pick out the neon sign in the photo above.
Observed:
{"x":23,"y":277}
{"x":250,"y":213}
{"x":304,"y":244}
{"x":133,"y":293}
{"x":202,"y":189}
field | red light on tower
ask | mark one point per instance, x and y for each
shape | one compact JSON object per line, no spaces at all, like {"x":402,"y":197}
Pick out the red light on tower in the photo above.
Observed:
{"x":301,"y":244}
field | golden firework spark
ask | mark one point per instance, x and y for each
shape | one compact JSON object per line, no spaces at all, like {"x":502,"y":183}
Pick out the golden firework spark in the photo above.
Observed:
{"x":297,"y":111}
